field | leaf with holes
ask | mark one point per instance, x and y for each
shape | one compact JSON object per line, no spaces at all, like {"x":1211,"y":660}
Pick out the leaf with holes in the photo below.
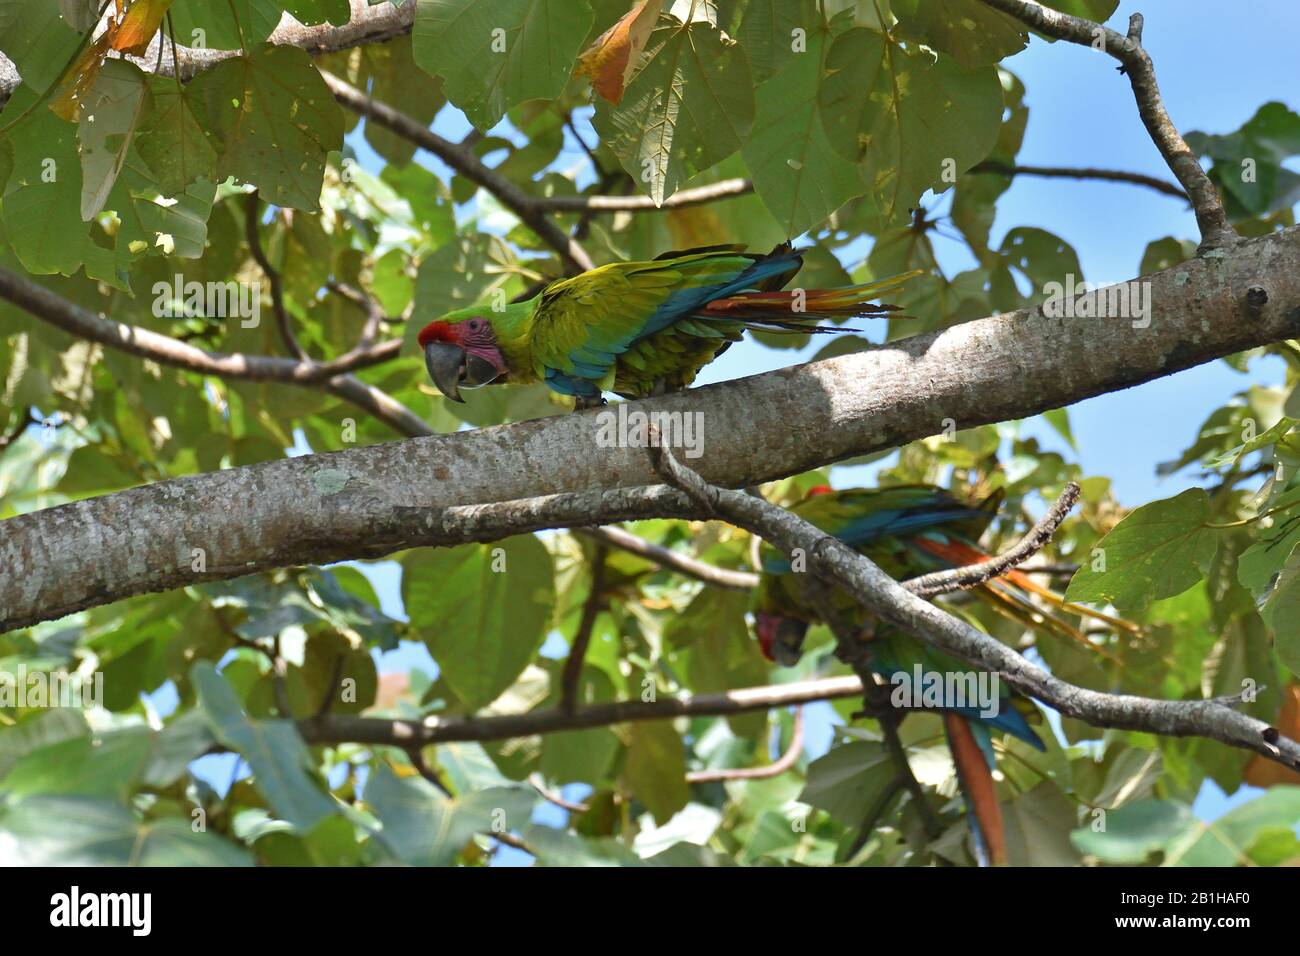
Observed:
{"x":495,"y":55}
{"x":690,"y":107}
{"x":272,"y":120}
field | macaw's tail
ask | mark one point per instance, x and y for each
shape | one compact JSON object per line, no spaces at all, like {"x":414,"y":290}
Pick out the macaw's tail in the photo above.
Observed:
{"x":973,"y":758}
{"x":1009,"y":595}
{"x":800,"y":310}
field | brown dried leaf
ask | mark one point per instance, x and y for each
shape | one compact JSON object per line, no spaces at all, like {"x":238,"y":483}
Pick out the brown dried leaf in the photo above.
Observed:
{"x":612,"y":59}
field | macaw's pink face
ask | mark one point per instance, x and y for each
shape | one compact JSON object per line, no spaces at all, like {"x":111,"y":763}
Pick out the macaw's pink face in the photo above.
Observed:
{"x":780,"y":638}
{"x":461,"y":354}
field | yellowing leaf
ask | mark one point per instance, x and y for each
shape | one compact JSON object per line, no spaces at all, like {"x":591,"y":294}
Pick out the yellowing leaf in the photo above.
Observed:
{"x":612,"y":59}
{"x":139,"y":25}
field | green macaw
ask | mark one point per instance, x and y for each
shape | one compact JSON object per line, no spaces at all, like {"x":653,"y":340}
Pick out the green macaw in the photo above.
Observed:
{"x":636,"y":328}
{"x":910,"y":530}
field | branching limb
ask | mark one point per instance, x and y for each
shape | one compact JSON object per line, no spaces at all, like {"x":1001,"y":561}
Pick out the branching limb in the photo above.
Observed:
{"x":1211,"y":218}
{"x":337,"y":728}
{"x":463,"y":160}
{"x":973,"y":575}
{"x":840,"y":565}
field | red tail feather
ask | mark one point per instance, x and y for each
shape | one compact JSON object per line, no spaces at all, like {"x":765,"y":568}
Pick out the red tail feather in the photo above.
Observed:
{"x":977,"y":784}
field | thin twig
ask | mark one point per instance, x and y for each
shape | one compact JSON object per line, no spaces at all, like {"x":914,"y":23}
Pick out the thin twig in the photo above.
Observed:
{"x":1081,"y":172}
{"x":571,"y":677}
{"x":774,"y":769}
{"x":973,"y":575}
{"x":252,"y":215}
{"x":670,"y":559}
{"x":526,"y":207}
{"x":539,"y":784}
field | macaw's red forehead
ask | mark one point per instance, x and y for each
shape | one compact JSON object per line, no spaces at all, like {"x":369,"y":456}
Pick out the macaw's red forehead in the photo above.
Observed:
{"x":816,"y":490}
{"x":440,"y":331}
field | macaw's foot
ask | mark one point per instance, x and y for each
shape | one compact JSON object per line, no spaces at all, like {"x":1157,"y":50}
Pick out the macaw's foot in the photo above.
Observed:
{"x":580,"y":403}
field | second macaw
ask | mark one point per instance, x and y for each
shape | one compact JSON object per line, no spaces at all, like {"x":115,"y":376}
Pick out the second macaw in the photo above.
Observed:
{"x":636,"y":328}
{"x":909,"y":530}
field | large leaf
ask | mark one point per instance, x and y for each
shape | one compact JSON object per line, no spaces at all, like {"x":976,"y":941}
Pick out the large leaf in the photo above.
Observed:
{"x":690,"y":107}
{"x":848,"y":780}
{"x":483,"y":609}
{"x":272,"y":120}
{"x":494,"y":55}
{"x":86,"y":831}
{"x":655,"y":768}
{"x":171,"y":139}
{"x":273,"y":748}
{"x":914,"y":120}
{"x":969,"y":31}
{"x":109,"y":117}
{"x":425,"y":828}
{"x":1135,"y":832}
{"x":1157,"y":551}
{"x":797,"y":173}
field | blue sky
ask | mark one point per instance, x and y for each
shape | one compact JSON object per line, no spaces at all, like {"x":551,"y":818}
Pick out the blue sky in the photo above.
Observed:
{"x":1216,"y":65}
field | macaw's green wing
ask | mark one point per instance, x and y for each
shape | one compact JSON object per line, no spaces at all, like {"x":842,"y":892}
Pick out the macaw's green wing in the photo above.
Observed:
{"x":587,"y":325}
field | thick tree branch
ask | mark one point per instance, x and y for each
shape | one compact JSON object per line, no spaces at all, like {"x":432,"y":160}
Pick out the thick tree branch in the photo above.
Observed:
{"x":1216,"y":231}
{"x":485,"y":483}
{"x":339,"y":728}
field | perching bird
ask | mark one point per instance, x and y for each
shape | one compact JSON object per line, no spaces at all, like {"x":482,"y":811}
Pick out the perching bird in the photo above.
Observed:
{"x":636,"y":328}
{"x":909,"y":530}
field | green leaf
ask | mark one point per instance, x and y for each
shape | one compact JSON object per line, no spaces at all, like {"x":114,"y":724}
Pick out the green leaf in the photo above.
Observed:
{"x":914,"y":121}
{"x":108,"y":120}
{"x":1041,"y":256}
{"x":35,"y":38}
{"x":1157,"y":551}
{"x":969,"y":31}
{"x":272,"y":120}
{"x":848,"y":780}
{"x":1165,"y":254}
{"x":1038,"y":827}
{"x":797,"y":173}
{"x":422,"y":827}
{"x":655,"y":768}
{"x":1136,"y":831}
{"x":689,"y":107}
{"x":1282,"y":614}
{"x":171,"y":139}
{"x":483,"y":609}
{"x":225,"y":24}
{"x":86,"y":831}
{"x":492,"y":56}
{"x":275,"y":752}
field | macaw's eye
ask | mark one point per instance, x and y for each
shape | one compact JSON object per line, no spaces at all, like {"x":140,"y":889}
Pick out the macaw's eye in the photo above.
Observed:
{"x":475,"y":325}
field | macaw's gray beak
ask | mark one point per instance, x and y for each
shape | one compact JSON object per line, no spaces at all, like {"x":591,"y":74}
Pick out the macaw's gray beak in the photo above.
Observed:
{"x":445,"y":363}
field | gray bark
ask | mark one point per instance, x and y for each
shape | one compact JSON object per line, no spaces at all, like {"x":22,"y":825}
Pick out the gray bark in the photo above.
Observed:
{"x":367,"y":502}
